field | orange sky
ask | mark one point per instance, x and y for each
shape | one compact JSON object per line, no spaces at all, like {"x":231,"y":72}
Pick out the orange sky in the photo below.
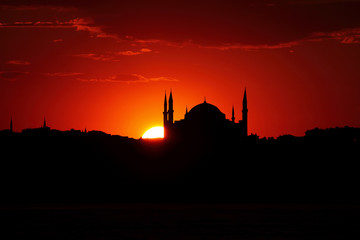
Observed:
{"x":106,"y":66}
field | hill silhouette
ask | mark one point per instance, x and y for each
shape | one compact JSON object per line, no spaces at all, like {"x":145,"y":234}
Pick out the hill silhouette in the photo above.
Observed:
{"x":47,"y":165}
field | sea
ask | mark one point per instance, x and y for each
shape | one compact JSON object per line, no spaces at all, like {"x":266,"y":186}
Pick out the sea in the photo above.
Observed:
{"x":171,"y":221}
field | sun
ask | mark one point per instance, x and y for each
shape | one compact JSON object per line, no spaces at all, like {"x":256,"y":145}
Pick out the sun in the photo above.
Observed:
{"x":155,"y":132}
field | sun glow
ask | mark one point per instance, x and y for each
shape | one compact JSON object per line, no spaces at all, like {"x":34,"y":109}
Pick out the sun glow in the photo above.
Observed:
{"x":155,"y":132}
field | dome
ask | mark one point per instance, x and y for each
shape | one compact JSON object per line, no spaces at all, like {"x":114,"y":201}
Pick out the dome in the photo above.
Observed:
{"x":205,"y":111}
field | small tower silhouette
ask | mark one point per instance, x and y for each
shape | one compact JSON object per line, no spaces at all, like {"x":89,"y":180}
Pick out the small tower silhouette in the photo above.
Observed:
{"x":165,"y":113}
{"x":245,"y":114}
{"x":171,"y":109}
{"x":44,"y":126}
{"x":233,"y":114}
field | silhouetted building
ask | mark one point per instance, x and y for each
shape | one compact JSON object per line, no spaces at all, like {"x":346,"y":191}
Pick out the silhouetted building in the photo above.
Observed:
{"x":44,"y":130}
{"x":44,"y":125}
{"x":205,"y":121}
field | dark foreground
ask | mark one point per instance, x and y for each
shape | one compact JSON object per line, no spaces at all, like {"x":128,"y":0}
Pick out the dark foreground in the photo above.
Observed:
{"x":180,"y":221}
{"x":49,"y":166}
{"x":74,"y":185}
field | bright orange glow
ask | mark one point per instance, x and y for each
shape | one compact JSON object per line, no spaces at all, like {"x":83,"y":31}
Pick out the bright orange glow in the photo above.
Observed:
{"x":155,"y":132}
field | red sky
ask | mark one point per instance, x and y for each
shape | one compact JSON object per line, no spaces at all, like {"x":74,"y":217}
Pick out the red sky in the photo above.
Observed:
{"x":106,"y":65}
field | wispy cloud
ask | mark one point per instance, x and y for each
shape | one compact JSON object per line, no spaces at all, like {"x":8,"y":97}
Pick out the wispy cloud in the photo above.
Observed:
{"x":97,"y":57}
{"x":18,"y":62}
{"x":132,"y":53}
{"x":63,"y":74}
{"x":38,"y":24}
{"x":112,"y":56}
{"x":141,"y":78}
{"x":12,"y":75}
{"x":37,"y":7}
{"x":128,"y":78}
{"x":249,"y":47}
{"x":82,"y":24}
{"x":158,"y":42}
{"x":345,"y":36}
{"x":58,"y":40}
{"x":79,"y":24}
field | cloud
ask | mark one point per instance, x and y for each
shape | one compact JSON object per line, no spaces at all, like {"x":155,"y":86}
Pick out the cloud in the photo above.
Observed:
{"x":38,"y":24}
{"x":112,"y":57}
{"x":58,"y":40}
{"x":249,"y":47}
{"x":226,"y":24}
{"x":97,"y":57}
{"x":158,"y":42}
{"x":345,"y":36}
{"x":154,"y":79}
{"x":220,"y":25}
{"x":79,"y":24}
{"x":18,"y":62}
{"x":350,"y":40}
{"x":37,"y":7}
{"x":128,"y":78}
{"x":82,"y":24}
{"x":63,"y":74}
{"x":132,"y":53}
{"x":12,"y":75}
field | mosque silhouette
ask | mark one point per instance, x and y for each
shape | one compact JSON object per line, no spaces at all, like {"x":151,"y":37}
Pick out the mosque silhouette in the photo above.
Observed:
{"x":204,"y":121}
{"x":205,"y":158}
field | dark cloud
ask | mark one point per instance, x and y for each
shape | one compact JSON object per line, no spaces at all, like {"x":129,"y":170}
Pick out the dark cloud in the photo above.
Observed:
{"x":12,"y":75}
{"x":128,"y":78}
{"x":212,"y":23}
{"x":58,"y":40}
{"x":226,"y":22}
{"x":97,"y":57}
{"x":18,"y":62}
{"x":346,"y":36}
{"x":133,"y":53}
{"x":79,"y":24}
{"x":27,"y":6}
{"x":63,"y":74}
{"x":113,"y":56}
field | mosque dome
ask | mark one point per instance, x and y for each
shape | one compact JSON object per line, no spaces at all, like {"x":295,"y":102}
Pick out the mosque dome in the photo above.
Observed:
{"x":205,"y":112}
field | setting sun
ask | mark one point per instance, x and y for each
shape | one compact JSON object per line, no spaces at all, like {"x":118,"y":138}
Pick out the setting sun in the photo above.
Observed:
{"x":155,"y":132}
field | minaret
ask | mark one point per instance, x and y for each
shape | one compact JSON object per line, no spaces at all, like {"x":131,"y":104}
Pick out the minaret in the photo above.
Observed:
{"x":44,"y":126}
{"x":165,"y":111}
{"x":11,"y":125}
{"x":171,"y":109}
{"x":245,"y":114}
{"x":233,"y":115}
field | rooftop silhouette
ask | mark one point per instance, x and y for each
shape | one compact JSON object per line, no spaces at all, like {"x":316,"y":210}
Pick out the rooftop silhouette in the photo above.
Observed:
{"x":205,"y":121}
{"x":204,"y":157}
{"x":47,"y":165}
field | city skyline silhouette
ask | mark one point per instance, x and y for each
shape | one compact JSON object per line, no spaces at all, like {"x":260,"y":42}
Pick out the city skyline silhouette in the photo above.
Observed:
{"x":204,"y":148}
{"x":204,"y":114}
